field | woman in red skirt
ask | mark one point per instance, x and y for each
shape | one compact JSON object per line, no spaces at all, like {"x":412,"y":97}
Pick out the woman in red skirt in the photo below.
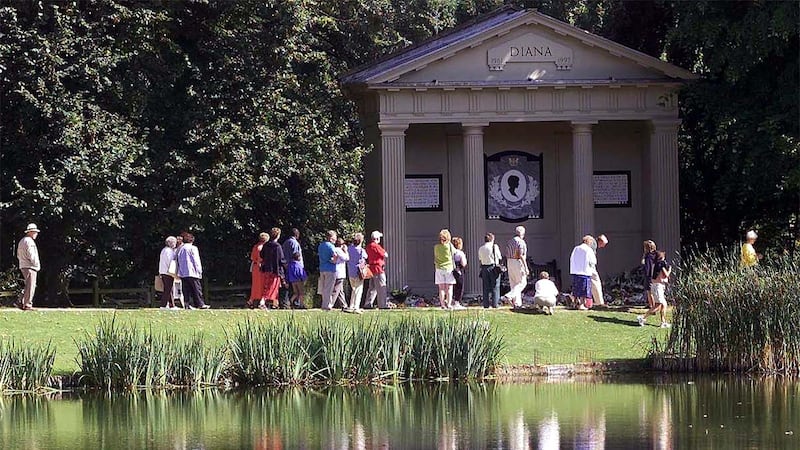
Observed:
{"x":257,"y":286}
{"x":273,"y":265}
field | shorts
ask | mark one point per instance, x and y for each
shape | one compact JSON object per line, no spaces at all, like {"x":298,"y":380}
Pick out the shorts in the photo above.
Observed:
{"x":658,"y":290}
{"x":444,"y":276}
{"x":581,"y":286}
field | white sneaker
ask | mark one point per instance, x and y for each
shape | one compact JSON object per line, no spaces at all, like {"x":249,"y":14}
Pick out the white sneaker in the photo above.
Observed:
{"x":164,"y":307}
{"x":175,"y":308}
{"x":459,"y":306}
{"x":665,"y":325}
{"x":640,"y":319}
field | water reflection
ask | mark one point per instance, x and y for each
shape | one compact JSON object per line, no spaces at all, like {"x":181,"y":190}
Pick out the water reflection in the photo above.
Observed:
{"x":657,"y":413}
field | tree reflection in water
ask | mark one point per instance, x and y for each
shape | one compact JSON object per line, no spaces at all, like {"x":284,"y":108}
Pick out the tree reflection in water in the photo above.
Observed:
{"x":658,"y":413}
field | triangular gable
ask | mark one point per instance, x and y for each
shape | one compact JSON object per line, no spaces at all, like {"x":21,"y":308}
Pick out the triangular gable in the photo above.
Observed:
{"x":488,"y":31}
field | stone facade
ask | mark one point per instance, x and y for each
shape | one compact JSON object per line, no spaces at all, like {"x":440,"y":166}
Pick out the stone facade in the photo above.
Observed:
{"x":581,"y":102}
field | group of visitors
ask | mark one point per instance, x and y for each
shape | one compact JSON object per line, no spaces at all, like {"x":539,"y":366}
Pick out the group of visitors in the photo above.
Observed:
{"x":450,"y":260}
{"x":275,"y":264}
{"x":339,"y":261}
{"x":181,"y":272}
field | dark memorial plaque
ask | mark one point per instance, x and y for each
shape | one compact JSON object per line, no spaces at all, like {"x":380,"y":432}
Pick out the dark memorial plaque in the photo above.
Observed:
{"x":611,"y":189}
{"x":423,"y":192}
{"x":513,"y":186}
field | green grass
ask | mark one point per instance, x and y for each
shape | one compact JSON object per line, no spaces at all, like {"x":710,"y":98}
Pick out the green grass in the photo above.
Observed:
{"x":566,"y":337}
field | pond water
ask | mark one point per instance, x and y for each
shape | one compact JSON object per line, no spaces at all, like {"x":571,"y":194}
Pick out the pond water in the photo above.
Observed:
{"x":646,"y":412}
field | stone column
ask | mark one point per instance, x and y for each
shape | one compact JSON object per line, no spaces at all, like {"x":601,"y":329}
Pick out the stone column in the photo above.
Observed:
{"x":474,"y":203}
{"x":393,"y":171}
{"x":582,"y":168}
{"x":664,"y":195}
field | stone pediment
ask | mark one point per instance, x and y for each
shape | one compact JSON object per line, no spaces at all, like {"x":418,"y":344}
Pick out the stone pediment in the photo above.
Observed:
{"x":516,"y":46}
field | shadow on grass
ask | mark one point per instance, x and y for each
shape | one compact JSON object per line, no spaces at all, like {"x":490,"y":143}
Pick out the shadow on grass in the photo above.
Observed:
{"x":618,"y":321}
{"x":617,"y":308}
{"x":527,"y":311}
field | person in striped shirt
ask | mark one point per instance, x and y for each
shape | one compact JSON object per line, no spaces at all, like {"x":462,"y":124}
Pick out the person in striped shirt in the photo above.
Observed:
{"x":516,"y":256}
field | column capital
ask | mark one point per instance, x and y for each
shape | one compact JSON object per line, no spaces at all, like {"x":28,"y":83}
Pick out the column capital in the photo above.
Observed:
{"x":392,"y":129}
{"x":473,"y":128}
{"x":664,"y":125}
{"x":583,"y":126}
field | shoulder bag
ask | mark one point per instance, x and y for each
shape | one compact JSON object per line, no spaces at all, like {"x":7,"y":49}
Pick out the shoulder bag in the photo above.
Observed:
{"x":498,"y":268}
{"x":364,"y":272}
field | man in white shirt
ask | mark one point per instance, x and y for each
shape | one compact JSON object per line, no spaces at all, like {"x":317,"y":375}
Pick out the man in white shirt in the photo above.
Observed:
{"x":489,"y":256}
{"x":545,"y":294}
{"x":29,"y":265}
{"x":582,"y":264}
{"x":342,"y":256}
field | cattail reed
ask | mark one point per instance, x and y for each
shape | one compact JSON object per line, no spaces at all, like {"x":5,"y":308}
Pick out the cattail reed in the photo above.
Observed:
{"x":25,"y":368}
{"x":328,"y":351}
{"x":729,"y":318}
{"x":119,"y":357}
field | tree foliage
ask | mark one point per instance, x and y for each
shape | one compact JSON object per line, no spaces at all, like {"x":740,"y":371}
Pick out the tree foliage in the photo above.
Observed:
{"x":124,"y":121}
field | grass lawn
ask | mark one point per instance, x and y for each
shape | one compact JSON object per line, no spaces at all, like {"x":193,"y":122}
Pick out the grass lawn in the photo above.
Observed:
{"x":566,"y":337}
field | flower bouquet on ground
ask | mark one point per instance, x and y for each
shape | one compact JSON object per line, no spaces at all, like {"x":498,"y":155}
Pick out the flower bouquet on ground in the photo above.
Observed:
{"x":399,"y":296}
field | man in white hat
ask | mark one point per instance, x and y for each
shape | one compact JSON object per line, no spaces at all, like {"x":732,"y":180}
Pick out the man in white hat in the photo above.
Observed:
{"x":376,"y":259}
{"x":28,"y":256}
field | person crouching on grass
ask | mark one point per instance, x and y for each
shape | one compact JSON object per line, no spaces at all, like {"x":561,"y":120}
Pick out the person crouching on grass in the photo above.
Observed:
{"x":658,"y":286}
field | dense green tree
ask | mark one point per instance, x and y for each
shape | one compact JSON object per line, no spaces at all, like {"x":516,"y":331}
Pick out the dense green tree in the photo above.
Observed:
{"x":740,"y":153}
{"x":70,"y":149}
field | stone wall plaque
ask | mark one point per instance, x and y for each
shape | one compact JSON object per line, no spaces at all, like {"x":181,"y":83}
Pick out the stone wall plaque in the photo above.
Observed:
{"x":612,"y":189}
{"x":423,"y":192}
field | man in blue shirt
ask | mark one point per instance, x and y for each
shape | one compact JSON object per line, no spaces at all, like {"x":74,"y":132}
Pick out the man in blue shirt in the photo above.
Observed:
{"x":327,"y":270}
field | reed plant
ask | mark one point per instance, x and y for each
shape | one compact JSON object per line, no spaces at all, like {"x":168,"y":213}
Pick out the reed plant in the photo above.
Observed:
{"x":192,"y":362}
{"x":125,"y":356}
{"x":330,"y":351}
{"x":732,"y":318}
{"x":270,"y":353}
{"x":292,"y":352}
{"x":25,"y":367}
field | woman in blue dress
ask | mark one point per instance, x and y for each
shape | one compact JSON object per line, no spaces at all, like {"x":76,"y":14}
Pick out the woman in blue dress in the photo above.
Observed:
{"x":296,"y":276}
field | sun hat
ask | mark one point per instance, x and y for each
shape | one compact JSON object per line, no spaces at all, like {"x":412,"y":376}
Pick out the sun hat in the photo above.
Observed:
{"x":32,"y":227}
{"x":376,"y":234}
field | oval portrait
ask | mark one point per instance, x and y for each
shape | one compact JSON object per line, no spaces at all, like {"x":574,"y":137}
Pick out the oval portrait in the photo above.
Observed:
{"x":513,"y":185}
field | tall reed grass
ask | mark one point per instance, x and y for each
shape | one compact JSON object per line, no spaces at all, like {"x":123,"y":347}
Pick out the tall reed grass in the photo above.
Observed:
{"x":119,"y":356}
{"x":291,"y":352}
{"x":25,"y":368}
{"x":329,"y":351}
{"x":735,"y":319}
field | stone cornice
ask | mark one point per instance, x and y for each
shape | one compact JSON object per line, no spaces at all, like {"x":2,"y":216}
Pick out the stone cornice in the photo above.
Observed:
{"x":532,"y":84}
{"x":521,"y":104}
